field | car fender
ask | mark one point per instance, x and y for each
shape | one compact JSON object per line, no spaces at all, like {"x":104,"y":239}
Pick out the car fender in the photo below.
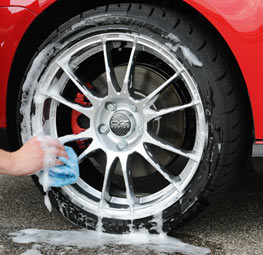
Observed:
{"x":12,"y":27}
{"x":240,"y":22}
{"x":33,"y":5}
{"x":16,"y":17}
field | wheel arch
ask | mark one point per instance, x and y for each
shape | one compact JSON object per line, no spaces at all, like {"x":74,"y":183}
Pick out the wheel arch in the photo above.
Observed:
{"x":196,"y":10}
{"x":221,"y":175}
{"x":40,"y":31}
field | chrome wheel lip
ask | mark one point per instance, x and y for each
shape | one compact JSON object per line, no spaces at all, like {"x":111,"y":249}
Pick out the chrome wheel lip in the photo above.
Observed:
{"x":154,"y":203}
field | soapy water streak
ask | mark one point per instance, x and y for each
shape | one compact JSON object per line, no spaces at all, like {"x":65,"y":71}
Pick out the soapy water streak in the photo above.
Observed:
{"x":139,"y":241}
{"x":49,"y":161}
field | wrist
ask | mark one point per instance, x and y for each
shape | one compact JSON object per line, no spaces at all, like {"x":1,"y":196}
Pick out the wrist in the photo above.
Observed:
{"x":12,"y":163}
{"x":6,"y":164}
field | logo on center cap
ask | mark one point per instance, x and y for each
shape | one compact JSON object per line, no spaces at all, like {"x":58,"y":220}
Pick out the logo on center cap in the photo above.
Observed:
{"x":120,"y":124}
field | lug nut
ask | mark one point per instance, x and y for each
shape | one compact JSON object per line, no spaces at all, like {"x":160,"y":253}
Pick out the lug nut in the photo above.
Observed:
{"x":133,"y":108}
{"x":111,"y":106}
{"x":122,"y":145}
{"x":104,"y":129}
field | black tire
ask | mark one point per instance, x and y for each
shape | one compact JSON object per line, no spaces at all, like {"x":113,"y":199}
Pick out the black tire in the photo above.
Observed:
{"x":217,"y":87}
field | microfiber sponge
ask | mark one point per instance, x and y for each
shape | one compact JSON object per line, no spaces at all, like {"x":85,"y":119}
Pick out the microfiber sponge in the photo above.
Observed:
{"x":62,"y":175}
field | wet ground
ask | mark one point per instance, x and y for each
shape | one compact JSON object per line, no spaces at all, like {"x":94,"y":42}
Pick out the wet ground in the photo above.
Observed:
{"x":234,"y":226}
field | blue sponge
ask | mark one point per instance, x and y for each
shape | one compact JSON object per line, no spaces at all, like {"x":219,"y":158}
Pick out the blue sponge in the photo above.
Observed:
{"x":63,"y":175}
{"x":66,"y":174}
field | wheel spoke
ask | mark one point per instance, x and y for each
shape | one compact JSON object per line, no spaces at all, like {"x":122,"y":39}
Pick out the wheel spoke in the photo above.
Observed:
{"x":127,"y":109}
{"x":81,"y":136}
{"x":174,"y":180}
{"x":87,"y":111}
{"x":152,"y":97}
{"x":152,"y":114}
{"x":91,"y":148}
{"x":112,"y":83}
{"x":128,"y":79}
{"x":127,"y":175}
{"x":63,"y":64}
{"x":157,"y":141}
{"x":105,"y":193}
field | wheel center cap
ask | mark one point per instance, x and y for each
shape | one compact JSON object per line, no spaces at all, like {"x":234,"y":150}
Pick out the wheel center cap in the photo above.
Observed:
{"x":120,"y":124}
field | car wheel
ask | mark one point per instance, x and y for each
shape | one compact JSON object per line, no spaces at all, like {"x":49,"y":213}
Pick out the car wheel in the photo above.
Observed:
{"x":146,"y":99}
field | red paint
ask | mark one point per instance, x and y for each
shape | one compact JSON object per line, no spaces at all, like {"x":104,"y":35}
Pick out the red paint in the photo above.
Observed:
{"x":13,"y":23}
{"x":36,"y":6}
{"x":240,"y":22}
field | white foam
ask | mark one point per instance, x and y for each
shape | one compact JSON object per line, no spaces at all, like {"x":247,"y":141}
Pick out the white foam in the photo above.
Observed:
{"x":49,"y":161}
{"x":49,"y":156}
{"x":140,"y":241}
{"x":47,"y":202}
{"x":173,"y":37}
{"x":187,"y":53}
{"x":190,"y":56}
{"x":29,"y":86}
{"x":172,"y":47}
{"x":33,"y":251}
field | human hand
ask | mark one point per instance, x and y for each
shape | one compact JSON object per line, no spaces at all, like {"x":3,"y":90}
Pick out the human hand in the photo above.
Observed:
{"x":37,"y":153}
{"x":61,"y":175}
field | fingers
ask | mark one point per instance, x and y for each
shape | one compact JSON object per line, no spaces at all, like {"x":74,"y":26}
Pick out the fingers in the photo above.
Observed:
{"x":53,"y":152}
{"x":48,"y":141}
{"x":65,"y":161}
{"x":58,"y":148}
{"x":55,"y":143}
{"x":57,"y":152}
{"x":51,"y":145}
{"x":59,"y":163}
{"x":61,"y":153}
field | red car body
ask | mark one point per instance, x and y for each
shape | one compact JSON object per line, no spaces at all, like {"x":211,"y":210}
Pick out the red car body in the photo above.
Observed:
{"x":240,"y":23}
{"x":213,"y":136}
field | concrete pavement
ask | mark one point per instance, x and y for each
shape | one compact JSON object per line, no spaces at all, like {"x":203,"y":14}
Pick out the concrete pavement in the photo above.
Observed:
{"x":234,"y":226}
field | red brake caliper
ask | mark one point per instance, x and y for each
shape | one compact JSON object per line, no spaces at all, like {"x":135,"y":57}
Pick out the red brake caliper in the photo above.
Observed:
{"x":76,"y":128}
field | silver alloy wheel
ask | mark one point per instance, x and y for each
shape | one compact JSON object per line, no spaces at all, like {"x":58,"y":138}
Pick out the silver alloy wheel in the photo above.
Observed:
{"x":119,"y":124}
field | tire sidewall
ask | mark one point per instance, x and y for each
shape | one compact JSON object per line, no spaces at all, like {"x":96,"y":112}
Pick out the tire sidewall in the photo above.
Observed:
{"x":119,"y":22}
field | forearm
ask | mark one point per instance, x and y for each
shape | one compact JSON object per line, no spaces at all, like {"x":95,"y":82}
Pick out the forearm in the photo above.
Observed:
{"x":5,"y":162}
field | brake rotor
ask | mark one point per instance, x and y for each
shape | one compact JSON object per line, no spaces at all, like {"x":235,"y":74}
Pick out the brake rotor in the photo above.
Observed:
{"x":145,"y":81}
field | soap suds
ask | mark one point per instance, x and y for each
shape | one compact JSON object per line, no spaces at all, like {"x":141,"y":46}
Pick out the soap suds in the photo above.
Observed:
{"x":30,"y":85}
{"x":47,"y":202}
{"x":49,"y":161}
{"x":139,"y":240}
{"x":190,"y":56}
{"x":33,"y":251}
{"x":173,"y":38}
{"x":187,"y":53}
